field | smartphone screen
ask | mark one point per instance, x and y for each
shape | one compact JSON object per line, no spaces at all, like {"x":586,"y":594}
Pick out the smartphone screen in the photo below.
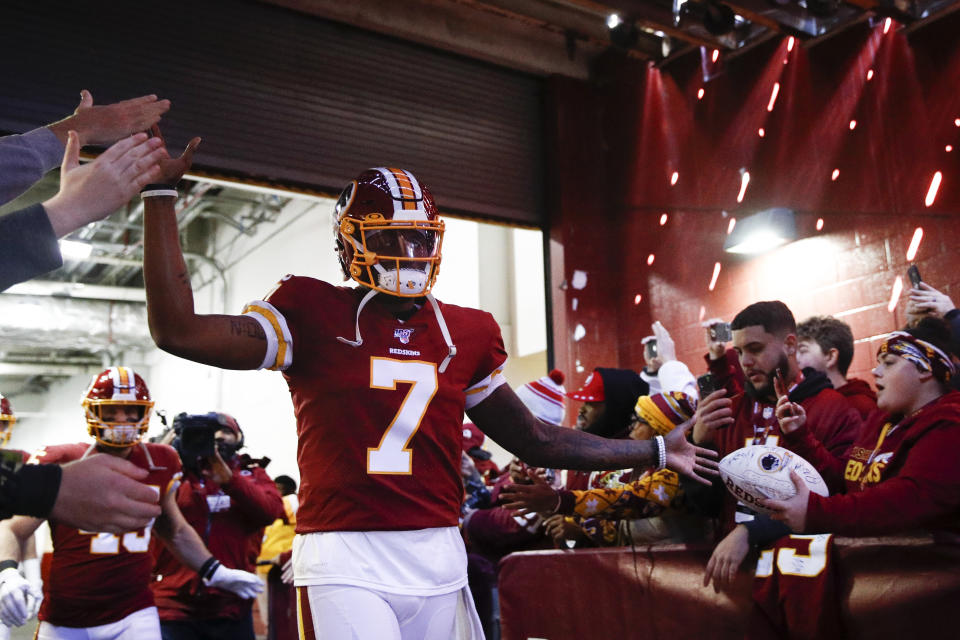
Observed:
{"x":721,"y":332}
{"x":706,"y":385}
{"x":651,"y":349}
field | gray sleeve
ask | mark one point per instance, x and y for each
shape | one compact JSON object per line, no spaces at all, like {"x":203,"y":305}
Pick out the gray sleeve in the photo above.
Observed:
{"x":25,"y":158}
{"x":31,"y":247}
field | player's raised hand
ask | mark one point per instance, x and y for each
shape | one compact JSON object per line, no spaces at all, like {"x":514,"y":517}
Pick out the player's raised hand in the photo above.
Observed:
{"x":172,"y":169}
{"x":105,"y":493}
{"x":688,"y":459}
{"x":19,"y":600}
{"x":792,"y":511}
{"x":243,"y":583}
{"x":538,"y":497}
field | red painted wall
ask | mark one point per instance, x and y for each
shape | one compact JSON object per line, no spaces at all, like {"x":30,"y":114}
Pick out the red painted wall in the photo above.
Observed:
{"x":615,"y":143}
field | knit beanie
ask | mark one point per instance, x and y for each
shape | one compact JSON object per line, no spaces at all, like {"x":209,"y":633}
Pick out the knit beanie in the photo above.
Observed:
{"x":664,"y":411}
{"x":544,"y":397}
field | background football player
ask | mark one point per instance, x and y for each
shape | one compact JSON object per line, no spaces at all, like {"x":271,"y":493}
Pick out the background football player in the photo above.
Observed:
{"x":380,"y":376}
{"x":100,"y":581}
{"x":7,"y":420}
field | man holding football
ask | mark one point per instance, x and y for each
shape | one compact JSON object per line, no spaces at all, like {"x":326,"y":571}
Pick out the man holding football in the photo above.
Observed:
{"x":765,"y":340}
{"x":378,"y":553}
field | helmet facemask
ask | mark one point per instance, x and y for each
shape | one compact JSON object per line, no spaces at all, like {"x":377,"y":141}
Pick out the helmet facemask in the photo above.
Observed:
{"x":112,"y":433}
{"x":396,"y":257}
{"x":109,"y":391}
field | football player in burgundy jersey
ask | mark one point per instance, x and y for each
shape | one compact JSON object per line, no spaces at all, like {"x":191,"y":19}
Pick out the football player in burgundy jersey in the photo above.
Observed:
{"x":100,"y":582}
{"x":380,"y":376}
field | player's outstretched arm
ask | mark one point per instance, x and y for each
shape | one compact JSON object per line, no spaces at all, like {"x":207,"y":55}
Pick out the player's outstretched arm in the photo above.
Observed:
{"x":185,"y":543}
{"x":230,"y":342}
{"x":503,"y":417}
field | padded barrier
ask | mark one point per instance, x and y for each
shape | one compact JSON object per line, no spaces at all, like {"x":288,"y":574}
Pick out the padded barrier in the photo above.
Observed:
{"x":904,"y":587}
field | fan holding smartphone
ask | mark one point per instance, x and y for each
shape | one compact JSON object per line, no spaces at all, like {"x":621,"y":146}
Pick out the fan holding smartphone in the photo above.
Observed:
{"x":662,"y":371}
{"x":927,"y":301}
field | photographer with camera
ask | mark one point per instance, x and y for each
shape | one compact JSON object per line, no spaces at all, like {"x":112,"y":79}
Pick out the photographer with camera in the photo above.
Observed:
{"x":228,"y":499}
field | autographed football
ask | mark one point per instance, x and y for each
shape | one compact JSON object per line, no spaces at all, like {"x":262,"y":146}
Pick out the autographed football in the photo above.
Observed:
{"x":763,"y":471}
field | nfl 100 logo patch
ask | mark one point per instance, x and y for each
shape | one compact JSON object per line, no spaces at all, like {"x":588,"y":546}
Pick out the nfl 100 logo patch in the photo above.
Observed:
{"x":403,"y":335}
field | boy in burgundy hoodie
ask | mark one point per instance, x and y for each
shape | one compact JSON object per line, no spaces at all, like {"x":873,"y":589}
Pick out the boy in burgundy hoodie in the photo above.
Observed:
{"x":826,"y":344}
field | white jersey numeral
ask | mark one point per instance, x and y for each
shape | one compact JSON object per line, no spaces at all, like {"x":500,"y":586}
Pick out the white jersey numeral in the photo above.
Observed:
{"x":392,"y":454}
{"x":791,"y":563}
{"x":133,"y":541}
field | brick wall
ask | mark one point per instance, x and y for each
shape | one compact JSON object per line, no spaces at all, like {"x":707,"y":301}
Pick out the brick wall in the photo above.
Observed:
{"x":616,"y":142}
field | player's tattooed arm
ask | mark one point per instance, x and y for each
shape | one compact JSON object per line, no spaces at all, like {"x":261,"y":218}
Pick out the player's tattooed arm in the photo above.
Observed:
{"x":503,"y":417}
{"x":230,"y":342}
{"x":247,"y":329}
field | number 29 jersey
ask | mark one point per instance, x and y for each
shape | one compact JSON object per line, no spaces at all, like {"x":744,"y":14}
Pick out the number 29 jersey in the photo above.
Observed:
{"x":379,"y":425}
{"x":99,"y":578}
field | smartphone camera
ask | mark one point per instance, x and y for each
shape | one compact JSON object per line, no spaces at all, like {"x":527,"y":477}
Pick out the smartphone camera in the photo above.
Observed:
{"x":721,"y":332}
{"x":914,"y":274}
{"x":650,"y":349}
{"x":706,"y":385}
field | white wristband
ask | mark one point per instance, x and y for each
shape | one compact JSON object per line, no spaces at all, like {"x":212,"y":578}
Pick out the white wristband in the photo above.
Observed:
{"x":158,"y":193}
{"x":661,"y":453}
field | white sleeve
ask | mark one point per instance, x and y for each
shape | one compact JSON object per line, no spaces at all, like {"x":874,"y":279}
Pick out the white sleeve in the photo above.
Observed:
{"x":279,"y":353}
{"x":479,"y":392}
{"x":675,"y":376}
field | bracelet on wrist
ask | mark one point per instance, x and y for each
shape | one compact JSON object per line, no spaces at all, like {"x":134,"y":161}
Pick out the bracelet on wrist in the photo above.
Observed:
{"x":159,"y":193}
{"x":208,"y":568}
{"x":661,"y":453}
{"x":8,"y":564}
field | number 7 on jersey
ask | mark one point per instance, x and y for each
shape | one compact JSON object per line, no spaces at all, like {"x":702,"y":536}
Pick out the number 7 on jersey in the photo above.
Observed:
{"x":393,"y":455}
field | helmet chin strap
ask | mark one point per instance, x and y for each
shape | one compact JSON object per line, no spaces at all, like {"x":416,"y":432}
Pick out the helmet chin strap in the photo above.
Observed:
{"x":363,"y":303}
{"x":451,"y":348}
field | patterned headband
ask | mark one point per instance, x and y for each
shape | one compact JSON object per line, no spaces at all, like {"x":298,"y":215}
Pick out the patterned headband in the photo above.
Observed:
{"x":921,"y":353}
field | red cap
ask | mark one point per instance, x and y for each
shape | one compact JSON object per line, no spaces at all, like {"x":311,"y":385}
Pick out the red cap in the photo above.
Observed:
{"x":591,"y":391}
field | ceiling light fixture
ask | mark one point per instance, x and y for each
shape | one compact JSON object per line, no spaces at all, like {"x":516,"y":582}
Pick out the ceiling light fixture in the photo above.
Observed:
{"x":762,"y":232}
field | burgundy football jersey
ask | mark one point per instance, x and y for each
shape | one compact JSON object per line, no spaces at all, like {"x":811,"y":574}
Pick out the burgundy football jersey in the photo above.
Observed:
{"x":98,"y":578}
{"x":379,"y":425}
{"x":795,"y":590}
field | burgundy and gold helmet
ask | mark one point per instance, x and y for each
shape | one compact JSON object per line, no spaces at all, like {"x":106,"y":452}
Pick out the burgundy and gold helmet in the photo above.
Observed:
{"x":7,"y":419}
{"x":388,"y":233}
{"x":117,"y":386}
